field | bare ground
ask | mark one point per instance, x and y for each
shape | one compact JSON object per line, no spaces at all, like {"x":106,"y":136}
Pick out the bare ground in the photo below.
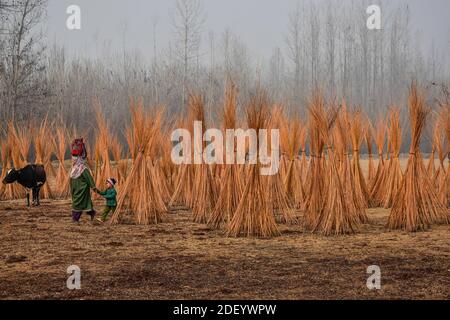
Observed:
{"x":182,"y":260}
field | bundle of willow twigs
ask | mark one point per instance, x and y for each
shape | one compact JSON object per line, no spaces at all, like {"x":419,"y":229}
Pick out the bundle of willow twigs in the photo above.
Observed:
{"x":140,"y":194}
{"x":357,"y":134}
{"x":103,"y":168}
{"x":334,"y":216}
{"x":316,"y":183}
{"x":376,"y":189}
{"x":254,"y":215}
{"x":393,"y":175}
{"x":44,"y":144}
{"x":62,"y":187}
{"x":416,"y":205}
{"x":342,"y":146}
{"x":369,"y":142}
{"x":204,"y":188}
{"x":276,"y":188}
{"x":231,"y":189}
{"x":440,"y":177}
{"x":292,"y":133}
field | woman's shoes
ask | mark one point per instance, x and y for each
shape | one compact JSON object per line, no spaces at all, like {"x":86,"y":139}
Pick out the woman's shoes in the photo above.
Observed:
{"x":76,"y":216}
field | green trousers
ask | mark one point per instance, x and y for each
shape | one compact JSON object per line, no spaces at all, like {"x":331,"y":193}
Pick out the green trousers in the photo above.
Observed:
{"x":106,"y":211}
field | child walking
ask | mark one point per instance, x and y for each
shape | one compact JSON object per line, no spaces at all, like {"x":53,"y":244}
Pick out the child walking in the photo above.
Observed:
{"x":110,"y":195}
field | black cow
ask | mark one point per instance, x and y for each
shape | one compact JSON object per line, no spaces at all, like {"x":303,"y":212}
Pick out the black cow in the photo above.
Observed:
{"x":31,"y":177}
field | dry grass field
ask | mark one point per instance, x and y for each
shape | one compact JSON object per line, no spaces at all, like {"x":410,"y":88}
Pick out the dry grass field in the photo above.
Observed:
{"x":179,"y":259}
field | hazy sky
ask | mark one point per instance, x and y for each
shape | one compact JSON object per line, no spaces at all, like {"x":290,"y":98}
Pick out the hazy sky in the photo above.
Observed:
{"x":261,"y":24}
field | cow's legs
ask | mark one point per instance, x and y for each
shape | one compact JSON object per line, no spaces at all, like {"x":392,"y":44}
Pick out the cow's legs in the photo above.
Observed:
{"x":28,"y":198}
{"x":37,"y":196}
{"x":34,"y":192}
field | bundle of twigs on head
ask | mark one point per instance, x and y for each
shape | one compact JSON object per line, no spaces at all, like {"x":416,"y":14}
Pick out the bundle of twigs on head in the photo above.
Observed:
{"x":276,"y":187}
{"x":44,"y":144}
{"x":334,"y":216}
{"x":292,"y":136}
{"x":231,"y":189}
{"x":62,"y":186}
{"x":416,"y":205}
{"x":376,"y":189}
{"x":357,"y":135}
{"x":140,"y":194}
{"x":393,"y":173}
{"x":254,"y":215}
{"x":204,"y":188}
{"x":342,"y":146}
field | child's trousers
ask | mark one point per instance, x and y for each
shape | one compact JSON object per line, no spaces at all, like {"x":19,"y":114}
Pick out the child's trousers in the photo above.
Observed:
{"x":106,"y":211}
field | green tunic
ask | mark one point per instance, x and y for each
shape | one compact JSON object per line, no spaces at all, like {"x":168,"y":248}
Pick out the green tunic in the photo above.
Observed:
{"x":110,"y":196}
{"x":81,"y":191}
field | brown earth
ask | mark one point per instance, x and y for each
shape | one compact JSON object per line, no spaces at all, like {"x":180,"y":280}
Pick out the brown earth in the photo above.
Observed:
{"x":179,"y":259}
{"x":182,"y":260}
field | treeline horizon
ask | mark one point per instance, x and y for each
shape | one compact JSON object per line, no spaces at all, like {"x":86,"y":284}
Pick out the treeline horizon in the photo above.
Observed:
{"x":327,"y":47}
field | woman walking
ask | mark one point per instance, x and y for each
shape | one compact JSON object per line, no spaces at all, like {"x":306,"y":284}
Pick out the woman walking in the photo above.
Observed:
{"x":81,"y":182}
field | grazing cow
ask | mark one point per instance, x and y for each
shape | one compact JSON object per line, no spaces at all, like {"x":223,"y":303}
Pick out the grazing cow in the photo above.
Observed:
{"x":31,"y":177}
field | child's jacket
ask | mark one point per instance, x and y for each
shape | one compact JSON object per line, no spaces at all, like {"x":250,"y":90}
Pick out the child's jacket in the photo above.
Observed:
{"x":110,"y":196}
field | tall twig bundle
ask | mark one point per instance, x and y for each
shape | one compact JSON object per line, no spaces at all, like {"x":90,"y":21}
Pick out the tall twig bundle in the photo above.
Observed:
{"x":342,"y":154}
{"x":442,"y":147}
{"x":62,"y":176}
{"x":393,"y":175}
{"x":140,"y":194}
{"x":22,"y":141}
{"x":291,"y":138}
{"x":303,"y":161}
{"x":231,"y":189}
{"x":369,"y":142}
{"x":277,"y":121}
{"x":166,"y":164}
{"x":183,"y":193}
{"x":43,"y":143}
{"x":446,"y":121}
{"x":205,"y":193}
{"x":416,"y":205}
{"x":103,"y":168}
{"x":3,"y":161}
{"x":334,"y":216}
{"x":376,"y":189}
{"x":12,"y":154}
{"x":315,"y":191}
{"x":431,"y":167}
{"x":153,"y":152}
{"x":254,"y":215}
{"x":121,"y":161}
{"x":357,"y":135}
{"x":276,"y":187}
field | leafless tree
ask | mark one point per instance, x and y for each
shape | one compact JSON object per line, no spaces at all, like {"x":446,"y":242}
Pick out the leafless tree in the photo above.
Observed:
{"x":188,"y":23}
{"x":22,"y":56}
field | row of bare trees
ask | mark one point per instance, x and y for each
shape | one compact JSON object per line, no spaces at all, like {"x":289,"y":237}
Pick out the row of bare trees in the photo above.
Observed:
{"x":327,"y":45}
